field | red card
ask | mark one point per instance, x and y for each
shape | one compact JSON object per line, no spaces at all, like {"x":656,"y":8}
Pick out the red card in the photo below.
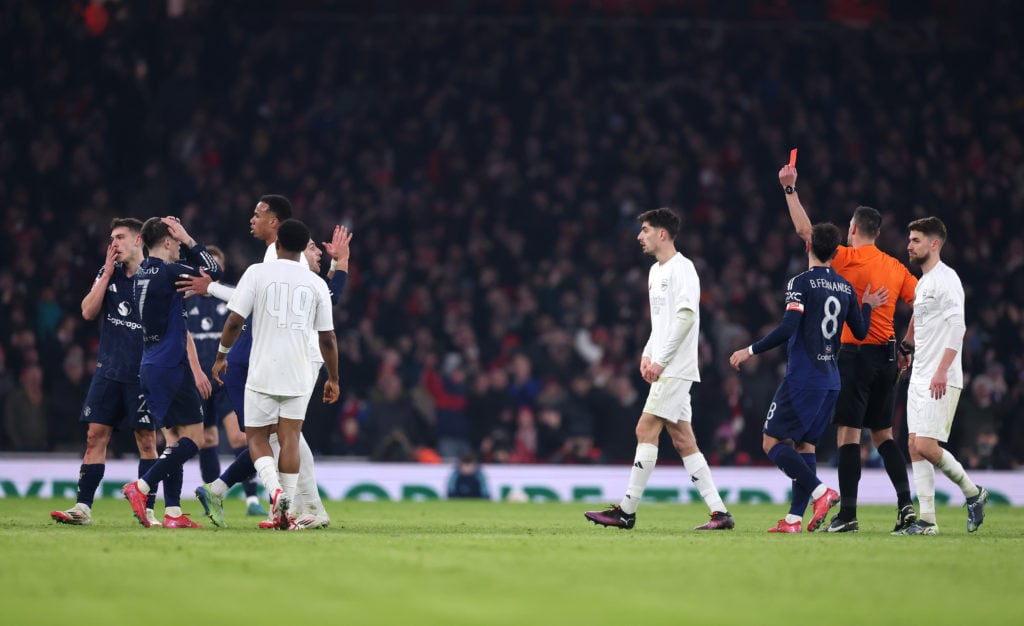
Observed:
{"x":792,"y":157}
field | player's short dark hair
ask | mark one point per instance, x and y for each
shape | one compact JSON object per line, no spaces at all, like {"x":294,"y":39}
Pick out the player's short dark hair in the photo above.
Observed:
{"x":130,"y":223}
{"x":662,"y":218}
{"x":278,"y":205}
{"x":930,"y":226}
{"x":825,"y":240}
{"x":868,"y":221}
{"x":153,"y":232}
{"x":293,"y":235}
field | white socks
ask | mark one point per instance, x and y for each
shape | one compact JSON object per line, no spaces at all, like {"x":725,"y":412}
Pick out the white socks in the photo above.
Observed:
{"x":307,"y":493}
{"x":955,"y":472}
{"x":697,"y":467}
{"x":924,"y":484}
{"x":288,"y":483}
{"x":643,"y":465}
{"x":819,"y":491}
{"x":266,"y":468}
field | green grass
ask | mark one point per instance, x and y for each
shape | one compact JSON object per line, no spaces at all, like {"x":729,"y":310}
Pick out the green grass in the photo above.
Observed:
{"x":505,"y":563}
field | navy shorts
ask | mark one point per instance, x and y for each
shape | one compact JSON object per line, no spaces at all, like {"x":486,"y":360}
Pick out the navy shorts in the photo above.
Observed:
{"x":216,"y":407}
{"x":234,"y":385}
{"x":800,"y":414}
{"x":113,"y":403}
{"x":171,"y":395}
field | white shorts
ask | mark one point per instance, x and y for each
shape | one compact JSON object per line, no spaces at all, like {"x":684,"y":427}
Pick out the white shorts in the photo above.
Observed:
{"x":265,"y":410}
{"x":928,"y":417}
{"x":669,"y":399}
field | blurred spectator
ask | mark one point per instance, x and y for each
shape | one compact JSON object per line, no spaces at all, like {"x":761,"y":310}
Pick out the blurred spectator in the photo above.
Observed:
{"x":467,"y":479}
{"x":392,"y":424}
{"x":66,"y":395}
{"x":987,"y":453}
{"x":25,"y":413}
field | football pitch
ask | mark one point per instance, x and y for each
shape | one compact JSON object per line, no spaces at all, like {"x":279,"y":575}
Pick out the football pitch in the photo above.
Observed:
{"x":462,"y":562}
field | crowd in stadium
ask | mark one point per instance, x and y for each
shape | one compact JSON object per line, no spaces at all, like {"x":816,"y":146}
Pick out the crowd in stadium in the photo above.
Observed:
{"x":491,"y":169}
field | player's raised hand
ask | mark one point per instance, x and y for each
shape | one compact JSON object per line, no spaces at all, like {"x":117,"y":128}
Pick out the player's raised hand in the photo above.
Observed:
{"x":194,"y":285}
{"x":787,"y":176}
{"x":220,"y":365}
{"x":338,"y":247}
{"x":177,"y":231}
{"x":331,"y":391}
{"x":739,"y":357}
{"x":876,"y":299}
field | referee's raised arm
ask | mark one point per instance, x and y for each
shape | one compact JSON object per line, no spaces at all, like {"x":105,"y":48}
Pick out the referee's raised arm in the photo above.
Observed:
{"x":802,"y":223}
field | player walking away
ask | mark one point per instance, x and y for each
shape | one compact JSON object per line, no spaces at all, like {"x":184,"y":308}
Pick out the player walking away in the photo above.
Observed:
{"x":868,"y":369}
{"x":287,"y":302}
{"x":168,"y":383}
{"x":669,"y":364}
{"x":114,"y":396}
{"x":206,"y":316}
{"x":818,"y":302}
{"x":938,"y":377}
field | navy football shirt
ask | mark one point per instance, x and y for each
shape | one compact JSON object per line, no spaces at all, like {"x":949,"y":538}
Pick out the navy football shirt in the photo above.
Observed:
{"x":206,"y":317}
{"x":121,"y":334}
{"x":818,"y":303}
{"x":162,"y":308}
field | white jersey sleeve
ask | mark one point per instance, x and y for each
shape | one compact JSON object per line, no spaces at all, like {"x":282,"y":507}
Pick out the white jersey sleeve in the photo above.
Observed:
{"x":244,"y":294}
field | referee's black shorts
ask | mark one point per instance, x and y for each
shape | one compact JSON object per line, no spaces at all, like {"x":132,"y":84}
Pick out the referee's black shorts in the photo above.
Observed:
{"x":867,"y":398}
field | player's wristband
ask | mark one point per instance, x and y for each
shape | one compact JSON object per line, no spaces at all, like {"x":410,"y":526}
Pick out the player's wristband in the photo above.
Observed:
{"x":750,"y":349}
{"x":334,"y":264}
{"x":223,"y":349}
{"x":789,"y":189}
{"x":906,"y":349}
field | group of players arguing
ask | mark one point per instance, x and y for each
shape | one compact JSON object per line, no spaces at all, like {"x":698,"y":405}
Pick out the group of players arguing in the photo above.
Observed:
{"x":843,"y":362}
{"x":277,"y":335}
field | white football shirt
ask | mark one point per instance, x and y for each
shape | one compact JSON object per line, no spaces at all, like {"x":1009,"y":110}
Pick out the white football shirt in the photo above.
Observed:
{"x":314,"y":340}
{"x":938,"y":297}
{"x":288,"y":303}
{"x":672,"y":287}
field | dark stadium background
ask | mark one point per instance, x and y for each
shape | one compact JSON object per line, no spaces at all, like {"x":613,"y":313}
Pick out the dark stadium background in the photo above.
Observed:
{"x":490,"y":157}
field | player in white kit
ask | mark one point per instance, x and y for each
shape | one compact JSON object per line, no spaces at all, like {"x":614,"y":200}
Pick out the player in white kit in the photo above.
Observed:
{"x":936,"y":338}
{"x":287,"y":303}
{"x":669,"y":364}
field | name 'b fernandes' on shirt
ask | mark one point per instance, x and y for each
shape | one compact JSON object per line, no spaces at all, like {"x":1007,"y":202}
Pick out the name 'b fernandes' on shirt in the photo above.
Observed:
{"x":825,"y":301}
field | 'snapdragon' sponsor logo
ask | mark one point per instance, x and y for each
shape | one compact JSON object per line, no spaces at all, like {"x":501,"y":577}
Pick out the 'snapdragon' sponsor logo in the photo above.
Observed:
{"x":130,"y":325}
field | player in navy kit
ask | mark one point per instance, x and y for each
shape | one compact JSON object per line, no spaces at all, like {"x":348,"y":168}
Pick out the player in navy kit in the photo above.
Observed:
{"x":115,"y":397}
{"x":818,"y":303}
{"x":167,"y":381}
{"x":206,"y":317}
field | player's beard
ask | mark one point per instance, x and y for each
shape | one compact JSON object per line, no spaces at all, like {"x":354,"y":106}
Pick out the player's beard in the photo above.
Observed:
{"x":918,"y":261}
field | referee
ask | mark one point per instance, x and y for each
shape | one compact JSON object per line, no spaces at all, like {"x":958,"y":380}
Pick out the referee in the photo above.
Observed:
{"x":868,"y":369}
